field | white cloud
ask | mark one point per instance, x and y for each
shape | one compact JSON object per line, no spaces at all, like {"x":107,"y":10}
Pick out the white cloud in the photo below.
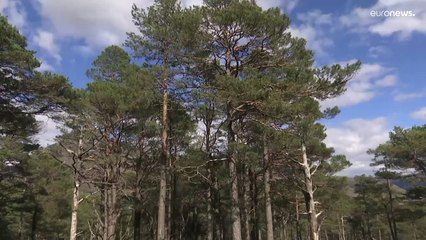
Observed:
{"x":49,"y":130}
{"x":387,"y":81}
{"x":14,"y":11}
{"x":83,"y":49}
{"x":419,"y":114}
{"x":45,"y":66}
{"x":189,"y":3}
{"x":399,"y":97}
{"x":364,"y":86}
{"x":354,"y":137}
{"x":288,"y":5}
{"x":97,"y":23}
{"x":376,"y":51}
{"x":46,"y":41}
{"x":360,"y":19}
{"x":314,"y":29}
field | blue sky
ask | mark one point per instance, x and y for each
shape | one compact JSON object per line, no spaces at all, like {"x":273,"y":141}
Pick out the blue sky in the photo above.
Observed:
{"x":389,"y":90}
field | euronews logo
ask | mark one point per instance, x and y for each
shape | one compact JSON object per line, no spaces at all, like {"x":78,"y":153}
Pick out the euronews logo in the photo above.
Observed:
{"x":392,"y":13}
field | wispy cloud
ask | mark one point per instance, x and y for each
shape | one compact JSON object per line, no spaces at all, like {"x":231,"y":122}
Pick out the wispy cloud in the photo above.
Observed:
{"x":314,"y":28}
{"x":46,"y":41}
{"x":364,"y":86}
{"x":361,"y":19}
{"x":96,"y":23}
{"x":354,"y":137}
{"x":401,"y":96}
{"x":15,"y":12}
{"x":419,"y":114}
{"x":45,"y":66}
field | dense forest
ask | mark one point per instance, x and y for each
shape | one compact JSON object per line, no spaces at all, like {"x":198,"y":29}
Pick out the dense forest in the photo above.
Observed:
{"x":205,"y":124}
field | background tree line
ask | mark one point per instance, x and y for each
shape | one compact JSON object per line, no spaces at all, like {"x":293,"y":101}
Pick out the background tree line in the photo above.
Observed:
{"x":216,"y":135}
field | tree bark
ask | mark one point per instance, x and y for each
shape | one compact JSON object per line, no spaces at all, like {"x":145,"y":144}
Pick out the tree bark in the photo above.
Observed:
{"x":75,"y":202}
{"x":77,"y":158}
{"x":137,"y":212}
{"x":246,"y":210}
{"x":162,"y":201}
{"x":392,"y":224}
{"x":210,"y":225}
{"x":267,"y":189}
{"x":232,"y":161}
{"x":298,"y":230}
{"x":34,"y":223}
{"x":254,"y":200}
{"x":137,"y":224}
{"x":309,"y":197}
{"x":235,"y":207}
{"x":112,"y":213}
{"x":210,"y":193}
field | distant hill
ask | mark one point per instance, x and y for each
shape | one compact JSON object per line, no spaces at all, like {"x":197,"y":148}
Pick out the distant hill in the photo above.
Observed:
{"x":406,"y":184}
{"x":399,"y":185}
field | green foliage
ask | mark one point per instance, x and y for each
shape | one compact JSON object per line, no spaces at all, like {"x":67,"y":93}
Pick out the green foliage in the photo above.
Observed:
{"x":405,"y":149}
{"x":23,"y":91}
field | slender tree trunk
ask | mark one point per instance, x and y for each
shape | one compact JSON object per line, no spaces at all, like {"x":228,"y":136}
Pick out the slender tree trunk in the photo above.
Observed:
{"x":34,"y":223}
{"x":75,"y":202}
{"x":235,"y":202}
{"x":235,"y":207}
{"x":343,"y":228}
{"x":298,"y":229}
{"x":112,"y":213}
{"x":414,"y":231}
{"x":219,"y":226}
{"x":210,"y":221}
{"x":246,"y":193}
{"x":138,"y":212}
{"x":210,"y":195}
{"x":392,"y":215}
{"x":162,"y":201}
{"x":309,"y":197}
{"x":77,"y":158}
{"x":170,"y":196}
{"x":340,"y":228}
{"x":137,"y":224}
{"x":255,"y":212}
{"x":267,"y":189}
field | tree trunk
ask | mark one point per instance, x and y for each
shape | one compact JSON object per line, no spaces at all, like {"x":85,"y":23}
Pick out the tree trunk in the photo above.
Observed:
{"x":392,"y":226}
{"x":343,"y":228}
{"x":254,"y":200}
{"x":75,"y":202}
{"x":267,"y":189}
{"x":162,"y":201}
{"x":137,"y":224}
{"x":246,"y":193}
{"x":210,"y":195}
{"x":235,"y":202}
{"x":220,"y":224}
{"x":77,"y":161}
{"x":112,"y":213}
{"x":309,"y":197}
{"x":137,"y":205}
{"x":210,"y":225}
{"x":298,"y":229}
{"x":34,"y":223}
